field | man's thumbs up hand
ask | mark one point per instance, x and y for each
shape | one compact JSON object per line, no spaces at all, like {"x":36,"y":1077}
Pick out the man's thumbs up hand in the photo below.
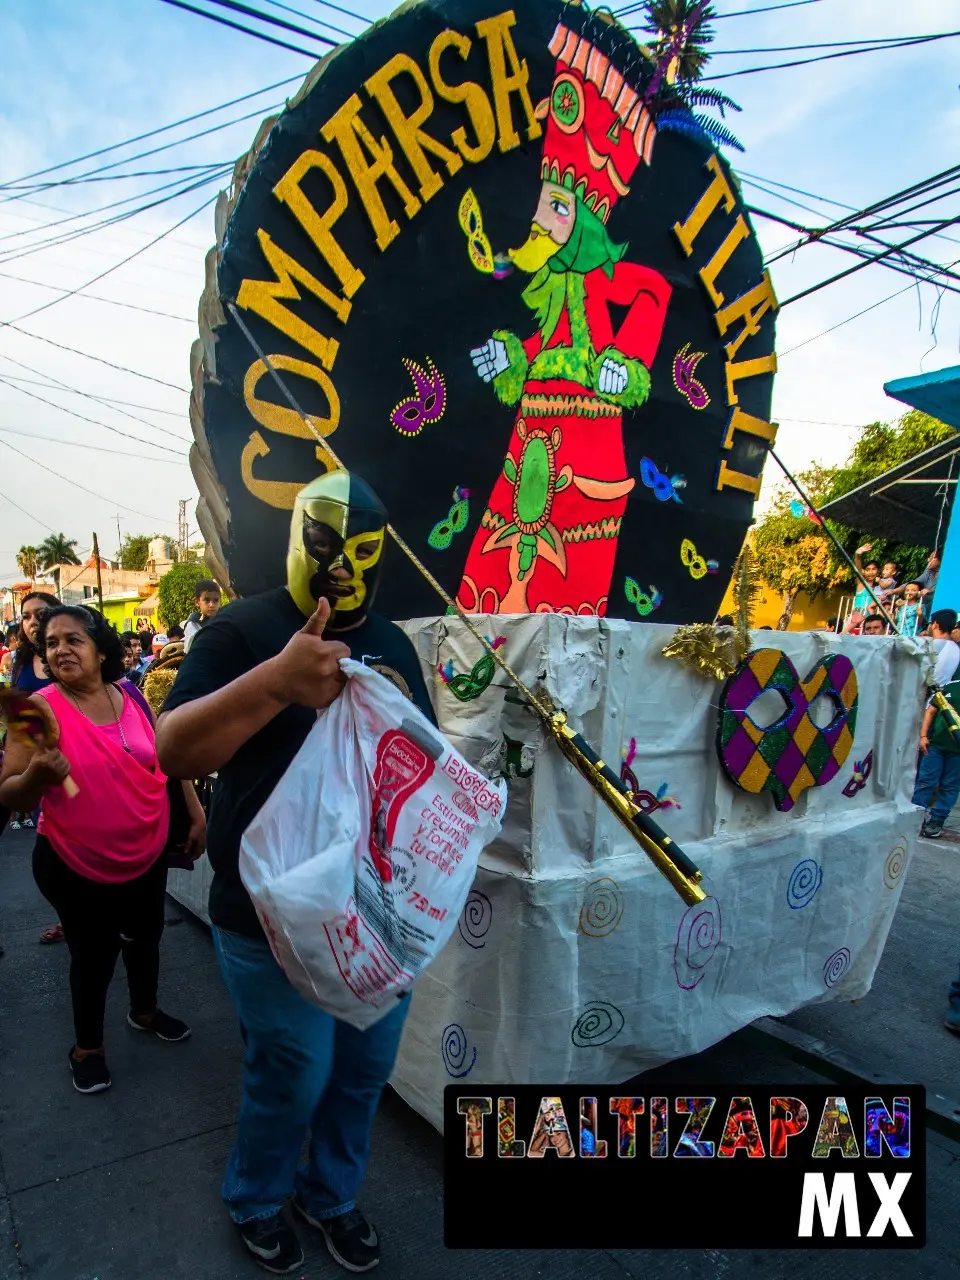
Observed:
{"x":318,"y":620}
{"x":307,"y":672}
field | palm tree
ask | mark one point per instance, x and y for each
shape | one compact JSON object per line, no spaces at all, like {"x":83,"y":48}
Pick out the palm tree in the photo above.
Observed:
{"x":682,"y":33}
{"x":28,"y":562}
{"x":57,"y":549}
{"x":682,"y":27}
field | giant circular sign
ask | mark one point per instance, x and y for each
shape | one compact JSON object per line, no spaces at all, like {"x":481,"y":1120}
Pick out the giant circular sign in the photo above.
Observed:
{"x":522,"y":299}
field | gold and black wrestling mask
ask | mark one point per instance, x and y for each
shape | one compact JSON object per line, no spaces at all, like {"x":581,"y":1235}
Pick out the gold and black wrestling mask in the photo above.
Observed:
{"x":336,"y":547}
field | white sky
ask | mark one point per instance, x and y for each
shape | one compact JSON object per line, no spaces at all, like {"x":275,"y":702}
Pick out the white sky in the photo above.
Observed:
{"x":77,"y":75}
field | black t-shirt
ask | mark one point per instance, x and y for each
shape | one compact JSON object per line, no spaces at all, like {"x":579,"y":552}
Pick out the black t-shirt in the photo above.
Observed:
{"x":233,"y":643}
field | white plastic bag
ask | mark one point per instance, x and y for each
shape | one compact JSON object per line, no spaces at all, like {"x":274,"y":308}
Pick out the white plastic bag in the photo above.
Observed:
{"x":361,"y":861}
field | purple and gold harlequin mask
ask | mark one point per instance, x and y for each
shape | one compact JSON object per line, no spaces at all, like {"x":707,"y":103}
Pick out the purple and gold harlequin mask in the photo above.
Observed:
{"x":794,"y":753}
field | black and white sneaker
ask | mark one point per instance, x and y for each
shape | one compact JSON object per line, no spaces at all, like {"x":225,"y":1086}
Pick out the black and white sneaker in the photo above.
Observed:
{"x":932,"y":829}
{"x":273,"y":1244}
{"x":91,"y":1075}
{"x":351,"y":1240}
{"x":163,"y":1026}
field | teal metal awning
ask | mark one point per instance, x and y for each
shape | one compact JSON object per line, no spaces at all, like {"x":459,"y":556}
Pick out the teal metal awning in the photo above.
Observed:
{"x":937,"y":394}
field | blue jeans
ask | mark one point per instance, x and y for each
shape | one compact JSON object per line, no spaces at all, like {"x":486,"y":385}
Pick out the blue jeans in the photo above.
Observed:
{"x":303,"y":1070}
{"x":939,"y":772}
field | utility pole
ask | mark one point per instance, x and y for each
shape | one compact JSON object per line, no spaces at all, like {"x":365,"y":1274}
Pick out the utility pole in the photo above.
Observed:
{"x":96,"y":556}
{"x":183,"y":530}
{"x":119,"y":541}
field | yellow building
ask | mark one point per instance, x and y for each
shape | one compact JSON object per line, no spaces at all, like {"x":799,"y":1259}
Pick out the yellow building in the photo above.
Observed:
{"x":808,"y":615}
{"x":127,"y":608}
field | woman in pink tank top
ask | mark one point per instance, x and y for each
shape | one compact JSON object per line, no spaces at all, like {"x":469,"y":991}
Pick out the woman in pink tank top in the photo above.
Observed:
{"x":99,"y":857}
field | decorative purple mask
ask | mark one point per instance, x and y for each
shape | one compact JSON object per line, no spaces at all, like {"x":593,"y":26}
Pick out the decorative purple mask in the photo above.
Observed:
{"x":684,"y":366}
{"x":428,"y":405}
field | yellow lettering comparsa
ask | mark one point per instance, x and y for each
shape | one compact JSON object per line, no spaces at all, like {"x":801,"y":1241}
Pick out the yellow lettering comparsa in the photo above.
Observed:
{"x":717,"y":193}
{"x":354,"y":139}
{"x":281,"y":494}
{"x":320,"y":227}
{"x":281,"y":418}
{"x":745,"y":422}
{"x":266,"y":298}
{"x":500,"y":51}
{"x":415,"y":142}
{"x":735,"y":236}
{"x":727,"y":478}
{"x":746,"y":369}
{"x":750,"y":307}
{"x":471,"y":95}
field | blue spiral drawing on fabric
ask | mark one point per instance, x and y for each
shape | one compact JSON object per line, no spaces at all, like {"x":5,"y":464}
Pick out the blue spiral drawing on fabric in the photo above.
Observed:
{"x":805,"y":881}
{"x":454,"y":1047}
{"x":836,"y":966}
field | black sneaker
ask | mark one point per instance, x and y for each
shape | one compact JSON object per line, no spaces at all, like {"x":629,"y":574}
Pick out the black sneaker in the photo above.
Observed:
{"x":932,"y":829}
{"x":91,"y":1075}
{"x":162,"y":1025}
{"x":351,"y":1240}
{"x":273,"y":1244}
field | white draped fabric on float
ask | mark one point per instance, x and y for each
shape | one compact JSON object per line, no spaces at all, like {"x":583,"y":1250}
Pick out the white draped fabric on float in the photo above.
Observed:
{"x":574,"y":960}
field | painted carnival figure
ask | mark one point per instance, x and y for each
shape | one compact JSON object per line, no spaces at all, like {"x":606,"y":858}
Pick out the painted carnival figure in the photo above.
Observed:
{"x":548,"y":537}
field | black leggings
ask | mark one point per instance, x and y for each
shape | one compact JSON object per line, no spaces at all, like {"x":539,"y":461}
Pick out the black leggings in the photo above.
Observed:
{"x":101,"y":921}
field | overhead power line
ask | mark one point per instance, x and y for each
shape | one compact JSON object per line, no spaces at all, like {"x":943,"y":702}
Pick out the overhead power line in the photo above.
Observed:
{"x":257,"y":14}
{"x":116,"y":267}
{"x":75,"y":351}
{"x":30,"y":516}
{"x":879,"y":257}
{"x":77,"y":485}
{"x":93,"y":297}
{"x":153,"y":151}
{"x":350,"y":13}
{"x":101,"y":400}
{"x":153,"y":133}
{"x":97,"y":448}
{"x":236,"y":26}
{"x":105,"y":400}
{"x":93,"y":421}
{"x":321,"y":22}
{"x":857,"y":314}
{"x":56,"y":241}
{"x":827,"y":57}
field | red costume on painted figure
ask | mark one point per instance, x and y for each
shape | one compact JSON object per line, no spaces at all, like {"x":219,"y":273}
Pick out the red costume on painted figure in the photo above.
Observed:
{"x":548,"y":538}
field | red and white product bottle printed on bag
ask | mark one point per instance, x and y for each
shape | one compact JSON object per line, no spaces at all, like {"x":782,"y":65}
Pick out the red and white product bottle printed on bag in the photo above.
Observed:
{"x":361,"y":861}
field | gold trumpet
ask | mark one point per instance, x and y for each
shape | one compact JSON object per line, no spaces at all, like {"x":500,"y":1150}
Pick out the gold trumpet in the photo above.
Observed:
{"x":943,"y":703}
{"x":669,"y":860}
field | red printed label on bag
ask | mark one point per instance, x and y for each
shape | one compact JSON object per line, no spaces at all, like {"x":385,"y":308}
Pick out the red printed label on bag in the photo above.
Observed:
{"x":364,"y":963}
{"x":402,"y":768}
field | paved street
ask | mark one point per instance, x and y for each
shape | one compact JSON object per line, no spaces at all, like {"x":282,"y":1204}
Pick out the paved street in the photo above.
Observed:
{"x":124,"y":1186}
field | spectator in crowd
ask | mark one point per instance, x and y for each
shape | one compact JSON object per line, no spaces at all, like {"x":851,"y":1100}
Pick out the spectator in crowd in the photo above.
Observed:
{"x":99,"y":853}
{"x":135,"y":641}
{"x":174,"y":634}
{"x":888,"y":581}
{"x":909,"y":611}
{"x":28,"y":674}
{"x":927,"y":581}
{"x":938,"y":776}
{"x":7,"y":654}
{"x":942,"y":625}
{"x":207,"y":597}
{"x":725,"y":620}
{"x":868,"y":594}
{"x":875,"y":625}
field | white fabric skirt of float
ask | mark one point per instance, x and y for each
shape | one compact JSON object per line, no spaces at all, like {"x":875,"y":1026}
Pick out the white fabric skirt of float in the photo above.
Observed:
{"x":574,"y":960}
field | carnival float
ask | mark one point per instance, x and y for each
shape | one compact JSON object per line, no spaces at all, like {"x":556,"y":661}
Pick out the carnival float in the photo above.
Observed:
{"x":494,"y":260}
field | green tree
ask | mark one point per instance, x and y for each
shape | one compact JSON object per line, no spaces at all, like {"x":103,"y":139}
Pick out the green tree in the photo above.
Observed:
{"x":793,"y":553}
{"x":175,"y":592}
{"x":57,"y":549}
{"x":881,"y":446}
{"x":135,"y":550}
{"x":28,"y":562}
